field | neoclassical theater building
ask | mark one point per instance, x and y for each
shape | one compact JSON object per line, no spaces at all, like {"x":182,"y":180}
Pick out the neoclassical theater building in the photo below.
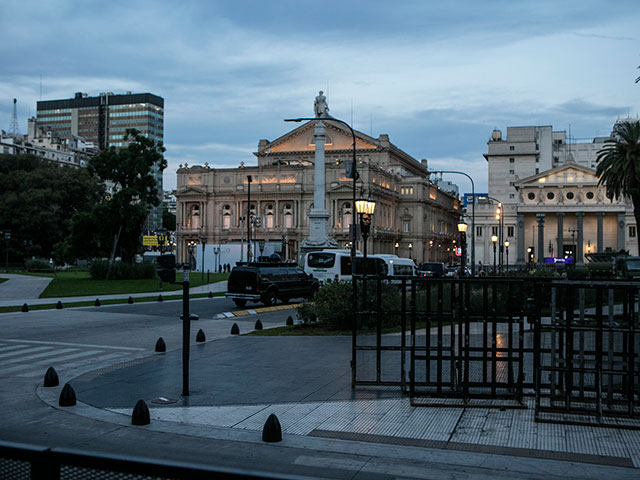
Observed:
{"x":552,"y":206}
{"x":413,"y":217}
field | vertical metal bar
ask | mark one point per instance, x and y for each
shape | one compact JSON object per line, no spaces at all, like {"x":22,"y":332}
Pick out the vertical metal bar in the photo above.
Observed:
{"x":354,"y":328}
{"x":568,"y":359}
{"x":510,"y":335}
{"x":631,"y":353}
{"x":610,"y":346}
{"x":378,"y":285}
{"x":520,"y":348}
{"x":186,"y":333}
{"x":403,"y":326}
{"x":412,"y":360}
{"x":599,"y":346}
{"x":428,"y":332}
{"x":537,"y":344}
{"x":494,"y":336}
{"x":452,"y":338}
{"x":439,"y":320}
{"x":466,"y":309}
{"x":485,"y":334}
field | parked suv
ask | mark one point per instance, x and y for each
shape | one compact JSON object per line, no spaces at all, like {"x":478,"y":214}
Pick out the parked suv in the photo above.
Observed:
{"x":269,"y":282}
{"x":431,"y":269}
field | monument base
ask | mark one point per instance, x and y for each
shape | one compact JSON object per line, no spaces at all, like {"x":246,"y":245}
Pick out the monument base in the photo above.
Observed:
{"x":314,"y":245}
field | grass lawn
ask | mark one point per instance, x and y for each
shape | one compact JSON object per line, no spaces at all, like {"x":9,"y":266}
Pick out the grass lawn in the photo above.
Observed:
{"x":118,"y":301}
{"x":78,"y":284}
{"x":3,"y":280}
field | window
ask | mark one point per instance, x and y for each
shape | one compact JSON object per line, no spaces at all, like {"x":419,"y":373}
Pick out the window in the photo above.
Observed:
{"x":531,"y":196}
{"x":226,"y":217}
{"x":511,"y":172}
{"x":509,"y":231}
{"x":512,"y":148}
{"x":589,"y":195}
{"x":512,"y":195}
{"x":494,"y":230}
{"x":632,"y":231}
{"x":537,"y":170}
{"x":512,"y":160}
{"x":570,"y":195}
{"x":478,"y":231}
{"x":551,"y":195}
{"x":406,"y":226}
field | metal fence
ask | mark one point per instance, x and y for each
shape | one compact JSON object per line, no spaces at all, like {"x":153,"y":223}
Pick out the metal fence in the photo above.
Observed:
{"x":572,"y":344}
{"x":31,"y":462}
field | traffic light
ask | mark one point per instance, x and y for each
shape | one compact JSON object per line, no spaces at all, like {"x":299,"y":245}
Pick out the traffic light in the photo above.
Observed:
{"x":167,"y":268}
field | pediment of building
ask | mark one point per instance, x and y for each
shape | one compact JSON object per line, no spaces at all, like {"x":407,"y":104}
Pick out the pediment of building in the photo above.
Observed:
{"x":564,"y":176}
{"x":190,"y":190}
{"x":301,"y":139}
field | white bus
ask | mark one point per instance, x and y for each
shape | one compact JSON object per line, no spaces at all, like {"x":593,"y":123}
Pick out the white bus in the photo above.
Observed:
{"x":330,"y":265}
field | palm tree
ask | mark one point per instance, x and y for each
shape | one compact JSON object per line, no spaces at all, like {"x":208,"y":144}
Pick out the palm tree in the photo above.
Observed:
{"x":619,"y":164}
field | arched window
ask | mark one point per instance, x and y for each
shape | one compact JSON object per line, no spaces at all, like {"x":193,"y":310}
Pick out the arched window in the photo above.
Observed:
{"x":346,"y":212}
{"x":193,"y":217}
{"x":226,"y":217}
{"x":269,"y":217}
{"x":288,"y":216}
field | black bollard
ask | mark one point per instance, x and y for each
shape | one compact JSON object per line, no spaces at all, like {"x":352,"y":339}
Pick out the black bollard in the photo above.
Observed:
{"x":272,"y":432}
{"x":97,"y":302}
{"x":200,"y":337}
{"x":59,"y":305}
{"x":140,"y":414}
{"x":161,"y":347}
{"x":25,"y":308}
{"x":235,"y":330}
{"x":258,"y":325}
{"x":51,"y":378}
{"x":289,"y":321}
{"x":210,"y":294}
{"x":160,"y":298}
{"x":67,"y":396}
{"x":130,"y":300}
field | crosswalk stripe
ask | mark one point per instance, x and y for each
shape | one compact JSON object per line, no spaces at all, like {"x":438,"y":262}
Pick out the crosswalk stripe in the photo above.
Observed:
{"x":7,"y":348}
{"x":23,"y":351}
{"x":64,"y":344}
{"x":38,"y":355}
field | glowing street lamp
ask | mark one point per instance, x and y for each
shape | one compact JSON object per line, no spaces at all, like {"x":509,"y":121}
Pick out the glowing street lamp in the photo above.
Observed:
{"x":506,"y":247}
{"x":462,"y":228}
{"x":365,"y":207}
{"x":494,"y":239}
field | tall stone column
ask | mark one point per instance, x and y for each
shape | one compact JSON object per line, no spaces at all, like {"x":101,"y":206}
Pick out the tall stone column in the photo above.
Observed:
{"x":520,"y":242}
{"x":600,"y":244}
{"x":540,"y":220}
{"x":560,"y":216}
{"x":621,"y":231}
{"x":579,"y":254}
{"x":318,"y":217}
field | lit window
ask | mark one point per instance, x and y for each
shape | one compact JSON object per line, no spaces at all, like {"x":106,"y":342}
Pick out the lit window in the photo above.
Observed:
{"x":632,"y":231}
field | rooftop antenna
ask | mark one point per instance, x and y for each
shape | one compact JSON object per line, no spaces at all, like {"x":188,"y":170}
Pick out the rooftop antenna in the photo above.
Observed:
{"x":13,"y":129}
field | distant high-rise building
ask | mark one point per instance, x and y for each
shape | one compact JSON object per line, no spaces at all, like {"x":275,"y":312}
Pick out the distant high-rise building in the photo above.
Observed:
{"x":104,"y":120}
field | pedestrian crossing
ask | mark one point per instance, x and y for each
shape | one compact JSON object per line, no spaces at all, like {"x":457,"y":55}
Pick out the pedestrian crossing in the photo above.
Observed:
{"x":31,"y":358}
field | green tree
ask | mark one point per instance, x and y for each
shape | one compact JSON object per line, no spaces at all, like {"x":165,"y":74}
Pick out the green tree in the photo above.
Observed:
{"x":38,"y":200}
{"x":130,"y":169}
{"x":168,"y":220}
{"x":619,"y":164}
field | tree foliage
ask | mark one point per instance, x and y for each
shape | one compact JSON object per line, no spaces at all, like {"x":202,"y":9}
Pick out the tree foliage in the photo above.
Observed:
{"x":38,"y":200}
{"x":130,"y":169}
{"x":619,"y":164}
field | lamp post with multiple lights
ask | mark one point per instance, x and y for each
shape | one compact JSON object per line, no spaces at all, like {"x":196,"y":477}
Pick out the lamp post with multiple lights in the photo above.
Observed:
{"x":365,"y":208}
{"x":506,"y":247}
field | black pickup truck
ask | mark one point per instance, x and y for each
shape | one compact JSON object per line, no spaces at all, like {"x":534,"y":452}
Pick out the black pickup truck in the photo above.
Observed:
{"x":269,"y":282}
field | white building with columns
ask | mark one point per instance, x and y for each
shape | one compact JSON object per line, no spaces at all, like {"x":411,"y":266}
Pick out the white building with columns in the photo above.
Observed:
{"x":550,"y":201}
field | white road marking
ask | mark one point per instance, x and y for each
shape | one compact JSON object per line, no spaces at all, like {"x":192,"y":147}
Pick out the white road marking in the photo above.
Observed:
{"x":108,"y":347}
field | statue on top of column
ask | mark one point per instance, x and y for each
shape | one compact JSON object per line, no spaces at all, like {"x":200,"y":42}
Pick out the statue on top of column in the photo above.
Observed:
{"x":320,"y":107}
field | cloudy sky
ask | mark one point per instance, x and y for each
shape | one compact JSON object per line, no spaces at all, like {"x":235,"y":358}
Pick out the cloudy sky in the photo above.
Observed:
{"x":436,"y":76}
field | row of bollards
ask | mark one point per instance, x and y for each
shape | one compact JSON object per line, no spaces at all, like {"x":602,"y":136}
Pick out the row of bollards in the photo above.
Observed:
{"x":271,"y":432}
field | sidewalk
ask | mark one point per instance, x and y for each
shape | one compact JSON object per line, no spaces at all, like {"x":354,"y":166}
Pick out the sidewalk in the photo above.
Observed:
{"x":21,"y":289}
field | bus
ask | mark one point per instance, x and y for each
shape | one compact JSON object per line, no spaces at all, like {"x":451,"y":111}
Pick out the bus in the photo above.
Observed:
{"x":331,"y":265}
{"x":397,"y":266}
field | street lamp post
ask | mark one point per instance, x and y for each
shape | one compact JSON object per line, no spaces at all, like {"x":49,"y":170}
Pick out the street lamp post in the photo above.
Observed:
{"x":462,"y":228}
{"x":410,"y":250}
{"x":242,"y":238}
{"x":494,"y":239}
{"x":396,"y":245}
{"x":365,"y":208}
{"x":204,"y":242}
{"x":192,"y":246}
{"x":7,"y":237}
{"x":506,"y":247}
{"x":473,"y":216}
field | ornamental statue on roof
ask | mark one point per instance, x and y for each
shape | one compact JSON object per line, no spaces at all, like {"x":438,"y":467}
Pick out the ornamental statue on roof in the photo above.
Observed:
{"x":320,"y":107}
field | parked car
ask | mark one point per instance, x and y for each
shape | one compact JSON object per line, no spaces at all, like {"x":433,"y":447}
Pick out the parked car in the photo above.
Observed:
{"x":452,"y":272}
{"x":269,"y":282}
{"x":431,"y":269}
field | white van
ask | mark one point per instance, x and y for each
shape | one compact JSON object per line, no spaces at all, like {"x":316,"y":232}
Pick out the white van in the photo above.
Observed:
{"x":398,"y":267}
{"x":331,"y":265}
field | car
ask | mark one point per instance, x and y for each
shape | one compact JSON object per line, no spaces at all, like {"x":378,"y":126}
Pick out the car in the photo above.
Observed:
{"x":431,"y":269}
{"x":269,"y":282}
{"x":451,"y":272}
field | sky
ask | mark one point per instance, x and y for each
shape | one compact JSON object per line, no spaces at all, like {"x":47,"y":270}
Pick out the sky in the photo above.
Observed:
{"x":437,"y":77}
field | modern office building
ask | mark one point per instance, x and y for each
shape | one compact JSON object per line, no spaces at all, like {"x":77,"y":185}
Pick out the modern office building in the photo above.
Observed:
{"x":103,"y":121}
{"x":551,"y":206}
